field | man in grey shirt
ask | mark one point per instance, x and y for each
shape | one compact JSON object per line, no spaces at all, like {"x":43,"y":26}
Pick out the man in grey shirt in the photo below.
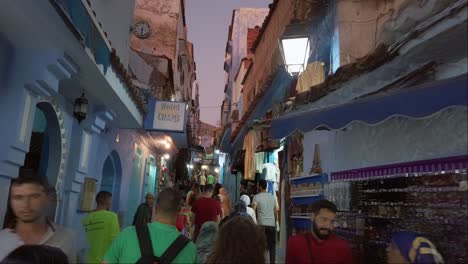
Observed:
{"x":267,"y":212}
{"x":28,"y":223}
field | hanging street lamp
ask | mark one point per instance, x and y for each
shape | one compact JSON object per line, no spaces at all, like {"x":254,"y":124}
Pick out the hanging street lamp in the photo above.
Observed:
{"x":80,"y":109}
{"x":295,"y":48}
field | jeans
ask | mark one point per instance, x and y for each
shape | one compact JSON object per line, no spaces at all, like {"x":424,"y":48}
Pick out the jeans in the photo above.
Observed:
{"x":270,"y":233}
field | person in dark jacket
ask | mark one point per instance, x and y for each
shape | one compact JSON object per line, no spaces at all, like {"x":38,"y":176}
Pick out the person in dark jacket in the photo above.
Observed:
{"x":144,"y":212}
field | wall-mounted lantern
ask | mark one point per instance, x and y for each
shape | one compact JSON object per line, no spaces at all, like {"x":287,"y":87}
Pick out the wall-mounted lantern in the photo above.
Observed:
{"x":295,"y":48}
{"x":80,"y":109}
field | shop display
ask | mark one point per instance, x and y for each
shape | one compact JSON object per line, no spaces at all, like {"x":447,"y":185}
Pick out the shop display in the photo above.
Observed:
{"x":306,"y":189}
{"x":434,"y":204}
{"x":316,"y":168}
{"x":339,"y":193}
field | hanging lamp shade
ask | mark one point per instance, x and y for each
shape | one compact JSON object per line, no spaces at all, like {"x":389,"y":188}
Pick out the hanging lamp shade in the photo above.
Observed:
{"x":295,"y":48}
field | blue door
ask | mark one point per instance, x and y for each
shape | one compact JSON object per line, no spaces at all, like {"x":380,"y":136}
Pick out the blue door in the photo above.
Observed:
{"x":150,"y":178}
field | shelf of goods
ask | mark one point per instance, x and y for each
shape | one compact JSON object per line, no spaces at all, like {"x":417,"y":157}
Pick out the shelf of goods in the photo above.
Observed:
{"x":429,"y":197}
{"x":305,"y":190}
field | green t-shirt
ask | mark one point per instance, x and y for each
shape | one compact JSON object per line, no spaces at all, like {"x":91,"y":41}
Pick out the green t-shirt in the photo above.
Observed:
{"x":126,"y":249}
{"x":101,"y":227}
{"x":210,"y":179}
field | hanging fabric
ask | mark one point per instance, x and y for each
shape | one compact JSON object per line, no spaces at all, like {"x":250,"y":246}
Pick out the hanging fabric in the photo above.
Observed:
{"x":313,"y":75}
{"x":250,"y":145}
{"x":259,"y":161}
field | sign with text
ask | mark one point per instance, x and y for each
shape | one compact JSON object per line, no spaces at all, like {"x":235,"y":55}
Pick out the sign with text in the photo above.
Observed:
{"x":166,"y":116}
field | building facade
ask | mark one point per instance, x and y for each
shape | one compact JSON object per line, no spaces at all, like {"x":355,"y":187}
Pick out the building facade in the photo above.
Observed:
{"x":357,"y":51}
{"x":85,"y":48}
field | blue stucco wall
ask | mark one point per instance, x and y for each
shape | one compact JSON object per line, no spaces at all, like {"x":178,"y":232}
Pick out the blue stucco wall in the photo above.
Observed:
{"x":23,"y":66}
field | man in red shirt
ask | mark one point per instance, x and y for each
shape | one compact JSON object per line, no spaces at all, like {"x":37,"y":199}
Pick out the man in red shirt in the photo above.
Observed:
{"x":205,"y":209}
{"x":320,"y":246}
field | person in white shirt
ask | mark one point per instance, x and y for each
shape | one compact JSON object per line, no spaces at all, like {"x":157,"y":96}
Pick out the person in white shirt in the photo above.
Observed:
{"x":202,"y":181}
{"x":28,"y":206}
{"x":250,"y":211}
{"x":267,"y":215}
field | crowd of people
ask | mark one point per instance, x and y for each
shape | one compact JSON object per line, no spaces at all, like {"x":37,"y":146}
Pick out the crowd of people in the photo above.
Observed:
{"x":200,"y":225}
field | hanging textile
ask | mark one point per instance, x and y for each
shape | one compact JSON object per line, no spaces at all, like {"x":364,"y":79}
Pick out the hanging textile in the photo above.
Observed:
{"x":250,"y":145}
{"x":272,"y":176}
{"x":313,"y":75}
{"x":295,"y":156}
{"x":259,"y":161}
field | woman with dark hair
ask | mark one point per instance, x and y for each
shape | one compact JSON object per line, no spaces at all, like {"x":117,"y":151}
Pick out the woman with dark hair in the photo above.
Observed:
{"x":239,"y":241}
{"x":217,"y":187}
{"x":36,"y":254}
{"x":206,"y":240}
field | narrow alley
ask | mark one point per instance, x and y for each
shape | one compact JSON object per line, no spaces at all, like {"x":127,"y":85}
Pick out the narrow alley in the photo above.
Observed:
{"x":234,"y":131}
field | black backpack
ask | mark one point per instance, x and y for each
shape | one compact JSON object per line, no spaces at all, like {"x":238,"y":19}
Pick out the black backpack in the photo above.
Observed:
{"x":146,"y":248}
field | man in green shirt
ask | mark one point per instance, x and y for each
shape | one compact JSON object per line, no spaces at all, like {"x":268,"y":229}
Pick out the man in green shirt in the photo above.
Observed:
{"x":101,"y":227}
{"x":210,"y":179}
{"x":162,"y":233}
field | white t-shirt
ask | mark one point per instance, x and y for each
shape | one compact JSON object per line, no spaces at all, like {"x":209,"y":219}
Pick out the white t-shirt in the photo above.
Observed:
{"x":203,"y":180}
{"x":251,"y":212}
{"x":266,"y":205}
{"x":62,"y":238}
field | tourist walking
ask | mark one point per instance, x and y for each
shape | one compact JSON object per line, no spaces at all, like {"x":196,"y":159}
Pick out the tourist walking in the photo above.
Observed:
{"x":101,"y":227}
{"x":157,"y":242}
{"x":267,"y":214}
{"x":239,"y":241}
{"x":202,"y":181}
{"x":250,"y":210}
{"x":205,"y":209}
{"x":144,"y":212}
{"x":210,"y":179}
{"x":206,"y":240}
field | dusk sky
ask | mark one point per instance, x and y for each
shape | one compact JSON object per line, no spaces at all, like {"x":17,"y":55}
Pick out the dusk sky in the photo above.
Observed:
{"x":208,"y":23}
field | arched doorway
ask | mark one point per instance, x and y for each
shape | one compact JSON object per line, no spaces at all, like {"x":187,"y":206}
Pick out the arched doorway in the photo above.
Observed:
{"x":111,"y":177}
{"x":45,"y":150}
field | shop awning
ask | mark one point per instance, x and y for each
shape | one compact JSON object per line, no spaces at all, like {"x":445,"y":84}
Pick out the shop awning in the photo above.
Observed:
{"x":416,"y":102}
{"x":224,"y":146}
{"x":408,"y":168}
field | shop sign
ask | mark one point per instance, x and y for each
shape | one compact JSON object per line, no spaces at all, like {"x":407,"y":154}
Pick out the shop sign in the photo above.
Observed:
{"x":166,"y":116}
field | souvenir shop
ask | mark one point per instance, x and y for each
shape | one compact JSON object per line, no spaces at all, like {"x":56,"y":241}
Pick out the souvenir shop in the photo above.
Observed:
{"x":258,"y":160}
{"x":401,"y":166}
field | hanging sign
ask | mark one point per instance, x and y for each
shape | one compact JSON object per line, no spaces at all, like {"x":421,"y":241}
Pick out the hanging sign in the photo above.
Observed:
{"x":166,"y":116}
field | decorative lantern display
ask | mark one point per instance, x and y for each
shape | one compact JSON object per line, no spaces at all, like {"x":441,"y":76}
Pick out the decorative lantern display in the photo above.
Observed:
{"x":80,"y":108}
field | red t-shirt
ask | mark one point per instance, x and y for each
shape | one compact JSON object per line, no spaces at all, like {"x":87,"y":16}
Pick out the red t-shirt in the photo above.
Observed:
{"x":205,"y":210}
{"x":330,"y":251}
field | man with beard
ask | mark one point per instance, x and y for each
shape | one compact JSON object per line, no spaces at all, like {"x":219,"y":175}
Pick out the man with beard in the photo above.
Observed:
{"x":321,"y":245}
{"x":28,"y":206}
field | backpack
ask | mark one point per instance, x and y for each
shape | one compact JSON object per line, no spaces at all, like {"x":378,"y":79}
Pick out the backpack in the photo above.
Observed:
{"x":146,"y":248}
